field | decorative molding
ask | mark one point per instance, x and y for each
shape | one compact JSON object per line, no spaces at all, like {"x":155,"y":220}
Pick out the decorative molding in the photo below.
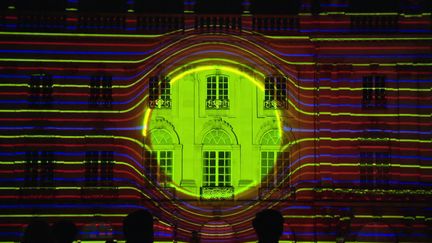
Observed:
{"x":219,"y":123}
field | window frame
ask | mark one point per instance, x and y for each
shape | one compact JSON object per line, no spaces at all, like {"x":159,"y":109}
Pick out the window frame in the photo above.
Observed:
{"x":39,"y":168}
{"x":99,"y":168}
{"x":41,"y":89}
{"x":374,"y":169}
{"x":275,"y":93}
{"x":100,"y":93}
{"x":226,"y":166}
{"x":160,"y":93}
{"x":218,"y":99}
{"x":162,"y":177}
{"x":374,"y":91}
{"x":278,"y":172}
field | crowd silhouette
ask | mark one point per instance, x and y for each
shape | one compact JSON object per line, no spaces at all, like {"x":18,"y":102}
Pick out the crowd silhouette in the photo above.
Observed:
{"x":138,"y":228}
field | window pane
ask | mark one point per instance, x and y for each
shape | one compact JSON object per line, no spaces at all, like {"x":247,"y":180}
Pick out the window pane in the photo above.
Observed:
{"x":164,"y":159}
{"x":218,"y":169}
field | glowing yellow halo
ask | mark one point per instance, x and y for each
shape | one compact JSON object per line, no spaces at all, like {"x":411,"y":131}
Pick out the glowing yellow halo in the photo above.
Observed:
{"x":213,"y":67}
{"x":181,"y":75}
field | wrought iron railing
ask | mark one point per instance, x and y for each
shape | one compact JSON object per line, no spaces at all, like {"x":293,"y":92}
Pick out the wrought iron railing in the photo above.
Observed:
{"x":160,"y":103}
{"x":217,"y":192}
{"x":217,"y":104}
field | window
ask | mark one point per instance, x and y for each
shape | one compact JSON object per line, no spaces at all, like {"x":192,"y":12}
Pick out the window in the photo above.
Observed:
{"x":217,"y":92}
{"x":160,"y":137}
{"x":99,"y":168}
{"x":159,"y":166}
{"x":39,"y":169}
{"x":268,"y":159}
{"x":159,"y":162}
{"x":101,"y":91}
{"x":150,"y":165}
{"x":217,"y":137}
{"x":91,"y":168}
{"x":106,"y":167}
{"x":160,"y":93}
{"x":41,"y":89}
{"x":374,"y":169}
{"x":165,"y":161}
{"x":275,"y":94}
{"x":217,"y":168}
{"x":216,"y":159}
{"x":274,"y":166}
{"x":272,"y":137}
{"x":374,"y":95}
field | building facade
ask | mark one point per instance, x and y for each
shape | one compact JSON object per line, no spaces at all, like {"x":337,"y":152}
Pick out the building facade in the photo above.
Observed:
{"x":205,"y":115}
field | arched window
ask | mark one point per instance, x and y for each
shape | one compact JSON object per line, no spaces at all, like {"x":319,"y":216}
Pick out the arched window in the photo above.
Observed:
{"x":273,"y":162}
{"x":272,"y":137}
{"x":217,"y":159}
{"x":161,"y":158}
{"x":160,"y":137}
{"x":217,"y":137}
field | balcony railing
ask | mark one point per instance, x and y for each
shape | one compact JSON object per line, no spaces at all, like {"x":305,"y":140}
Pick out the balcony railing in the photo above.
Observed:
{"x":158,"y":23}
{"x":372,"y":23}
{"x":160,"y":103}
{"x":212,"y":23}
{"x":217,"y":193}
{"x":275,"y":104}
{"x":130,"y":23}
{"x":101,"y":22}
{"x":275,"y":23}
{"x":45,"y":22}
{"x":217,"y":104}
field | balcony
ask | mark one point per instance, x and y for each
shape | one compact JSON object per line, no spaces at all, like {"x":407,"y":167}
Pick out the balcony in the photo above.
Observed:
{"x":217,"y":193}
{"x":275,"y":23}
{"x":217,"y":104}
{"x":386,"y":23}
{"x":218,"y":23}
{"x":160,"y":104}
{"x":132,"y":23}
{"x":275,"y":104}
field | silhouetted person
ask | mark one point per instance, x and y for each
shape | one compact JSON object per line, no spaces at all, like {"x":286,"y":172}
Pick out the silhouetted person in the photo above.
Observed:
{"x":268,"y":225}
{"x":38,"y":232}
{"x":138,"y":227}
{"x":64,"y":232}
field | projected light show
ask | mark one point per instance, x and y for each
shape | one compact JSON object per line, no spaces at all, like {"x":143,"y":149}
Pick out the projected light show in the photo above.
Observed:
{"x":205,"y":114}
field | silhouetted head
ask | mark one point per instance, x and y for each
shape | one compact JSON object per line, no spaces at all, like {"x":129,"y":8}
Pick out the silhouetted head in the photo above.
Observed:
{"x":138,"y":227}
{"x":195,"y":237}
{"x":38,"y":232}
{"x":64,"y":231}
{"x":268,"y":225}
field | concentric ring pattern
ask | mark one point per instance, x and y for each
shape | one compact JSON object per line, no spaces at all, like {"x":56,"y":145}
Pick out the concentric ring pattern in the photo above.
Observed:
{"x":357,"y":125}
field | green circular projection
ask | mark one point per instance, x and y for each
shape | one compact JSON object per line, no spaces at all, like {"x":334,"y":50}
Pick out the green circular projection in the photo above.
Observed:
{"x":210,"y":133}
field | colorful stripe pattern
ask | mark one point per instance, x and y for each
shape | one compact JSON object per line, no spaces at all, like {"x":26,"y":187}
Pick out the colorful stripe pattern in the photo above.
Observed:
{"x":332,"y":134}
